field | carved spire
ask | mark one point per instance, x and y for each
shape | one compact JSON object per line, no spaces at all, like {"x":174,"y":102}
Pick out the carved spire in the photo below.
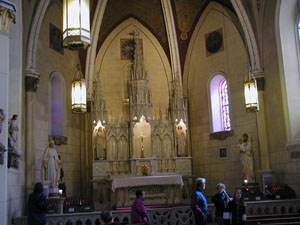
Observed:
{"x":139,"y":70}
{"x":99,"y":103}
{"x":140,"y":96}
{"x":178,"y":106}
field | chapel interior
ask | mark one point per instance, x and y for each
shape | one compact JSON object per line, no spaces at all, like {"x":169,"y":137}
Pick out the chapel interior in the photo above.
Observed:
{"x":148,"y":94}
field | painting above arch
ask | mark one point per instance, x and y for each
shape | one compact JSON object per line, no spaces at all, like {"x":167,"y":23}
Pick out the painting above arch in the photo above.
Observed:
{"x":149,"y":13}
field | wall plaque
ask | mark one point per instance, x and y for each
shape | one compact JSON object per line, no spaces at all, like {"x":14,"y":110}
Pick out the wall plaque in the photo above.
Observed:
{"x":214,"y":42}
{"x":56,"y":39}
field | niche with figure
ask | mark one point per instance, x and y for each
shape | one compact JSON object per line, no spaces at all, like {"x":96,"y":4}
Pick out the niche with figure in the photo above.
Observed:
{"x":142,"y":139}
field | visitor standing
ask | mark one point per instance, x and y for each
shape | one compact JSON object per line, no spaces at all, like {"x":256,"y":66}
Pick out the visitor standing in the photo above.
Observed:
{"x":236,"y":209}
{"x":220,"y":200}
{"x":199,"y":203}
{"x":138,"y":210}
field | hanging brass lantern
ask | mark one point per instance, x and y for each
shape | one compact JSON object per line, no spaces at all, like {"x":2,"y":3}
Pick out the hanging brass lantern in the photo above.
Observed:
{"x":251,"y":94}
{"x":78,"y":93}
{"x":76,"y":24}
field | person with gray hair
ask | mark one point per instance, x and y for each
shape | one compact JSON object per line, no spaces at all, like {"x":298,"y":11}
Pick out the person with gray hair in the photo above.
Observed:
{"x":221,"y":200}
{"x":107,"y":218}
{"x":199,"y":203}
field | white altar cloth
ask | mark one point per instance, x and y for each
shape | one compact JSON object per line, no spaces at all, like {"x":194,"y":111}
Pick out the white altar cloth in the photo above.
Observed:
{"x":146,"y":181}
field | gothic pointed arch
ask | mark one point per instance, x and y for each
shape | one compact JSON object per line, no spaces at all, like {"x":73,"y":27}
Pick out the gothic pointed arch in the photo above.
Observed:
{"x":112,"y":66}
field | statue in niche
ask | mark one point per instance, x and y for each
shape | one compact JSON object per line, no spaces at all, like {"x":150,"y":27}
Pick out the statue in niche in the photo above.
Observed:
{"x":2,"y":118}
{"x":246,"y":151}
{"x":113,"y":149}
{"x":13,"y":132}
{"x":123,"y":149}
{"x":167,"y":147}
{"x":157,"y":147}
{"x":181,"y":140}
{"x":101,"y":143}
{"x":51,"y":166}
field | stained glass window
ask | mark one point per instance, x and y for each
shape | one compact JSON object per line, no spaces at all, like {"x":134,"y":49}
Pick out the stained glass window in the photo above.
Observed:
{"x":299,"y":29}
{"x":225,"y":105}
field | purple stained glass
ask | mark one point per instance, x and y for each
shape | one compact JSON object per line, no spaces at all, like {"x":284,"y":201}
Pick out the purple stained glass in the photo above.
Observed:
{"x":299,"y":29}
{"x":225,"y":106}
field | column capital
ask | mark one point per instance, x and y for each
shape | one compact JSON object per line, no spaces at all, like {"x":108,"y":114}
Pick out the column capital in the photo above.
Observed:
{"x":32,"y":80}
{"x":7,"y":15}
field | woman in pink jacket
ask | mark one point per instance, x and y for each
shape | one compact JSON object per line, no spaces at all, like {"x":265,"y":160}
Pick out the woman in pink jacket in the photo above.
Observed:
{"x":138,"y":209}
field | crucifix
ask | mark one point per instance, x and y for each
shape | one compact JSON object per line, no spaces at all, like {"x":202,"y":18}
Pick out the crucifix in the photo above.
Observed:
{"x":142,"y":136}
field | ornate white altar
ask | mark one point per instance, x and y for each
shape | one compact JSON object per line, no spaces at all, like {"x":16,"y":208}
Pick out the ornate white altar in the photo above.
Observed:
{"x":141,"y":146}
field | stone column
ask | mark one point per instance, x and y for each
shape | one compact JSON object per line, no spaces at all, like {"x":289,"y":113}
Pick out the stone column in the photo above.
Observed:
{"x":7,"y":17}
{"x":31,"y":84}
{"x":262,"y":132}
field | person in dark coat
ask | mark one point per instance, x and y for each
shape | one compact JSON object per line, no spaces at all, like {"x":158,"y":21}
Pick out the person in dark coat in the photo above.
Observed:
{"x":236,"y":210}
{"x":138,"y":210}
{"x":107,"y":218}
{"x":199,"y":203}
{"x":220,"y":200}
{"x":37,"y":206}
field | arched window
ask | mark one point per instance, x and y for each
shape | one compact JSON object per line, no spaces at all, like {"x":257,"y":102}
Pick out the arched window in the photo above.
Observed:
{"x":298,"y":29}
{"x":57,"y":104}
{"x":219,"y":102}
{"x":225,"y":105}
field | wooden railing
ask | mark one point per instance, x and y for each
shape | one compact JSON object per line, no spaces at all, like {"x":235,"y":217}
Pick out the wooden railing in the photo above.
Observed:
{"x":177,"y":215}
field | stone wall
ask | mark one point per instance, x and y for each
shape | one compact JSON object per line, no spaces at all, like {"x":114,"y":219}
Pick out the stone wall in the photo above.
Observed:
{"x":199,"y":69}
{"x":15,"y":177}
{"x":285,"y":167}
{"x":49,"y":61}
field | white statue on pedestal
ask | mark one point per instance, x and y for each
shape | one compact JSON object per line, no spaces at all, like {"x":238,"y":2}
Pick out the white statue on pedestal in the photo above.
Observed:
{"x":101,"y":143}
{"x":246,"y":151}
{"x":50,"y":166}
{"x":181,"y":139}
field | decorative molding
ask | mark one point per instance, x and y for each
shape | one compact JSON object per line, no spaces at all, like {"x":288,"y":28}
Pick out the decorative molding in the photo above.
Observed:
{"x":250,"y":37}
{"x":221,"y":135}
{"x":31,"y":83}
{"x":92,"y":50}
{"x":7,"y":17}
{"x":172,"y":39}
{"x":58,"y":140}
{"x":34,"y":34}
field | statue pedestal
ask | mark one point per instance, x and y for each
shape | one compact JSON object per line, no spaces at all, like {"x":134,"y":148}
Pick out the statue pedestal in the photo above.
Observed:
{"x":46,"y":188}
{"x":60,"y":205}
{"x":267,"y":178}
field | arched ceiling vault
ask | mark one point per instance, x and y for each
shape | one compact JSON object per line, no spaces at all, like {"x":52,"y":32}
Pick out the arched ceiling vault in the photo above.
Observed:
{"x":149,"y":13}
